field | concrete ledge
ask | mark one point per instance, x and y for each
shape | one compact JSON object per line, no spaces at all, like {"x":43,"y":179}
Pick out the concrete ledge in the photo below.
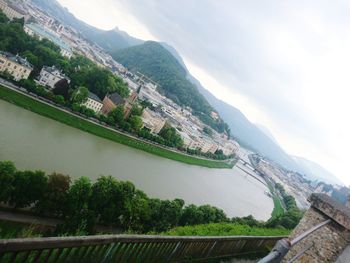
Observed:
{"x":331,"y":208}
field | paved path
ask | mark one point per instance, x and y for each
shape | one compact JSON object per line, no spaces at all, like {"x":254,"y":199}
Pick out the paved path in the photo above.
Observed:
{"x":28,"y":219}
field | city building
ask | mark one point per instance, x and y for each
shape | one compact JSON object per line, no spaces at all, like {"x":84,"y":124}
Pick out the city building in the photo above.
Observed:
{"x":18,"y":67}
{"x":152,"y":121}
{"x":41,"y":33}
{"x":12,"y":11}
{"x":207,"y":145}
{"x":93,"y":102}
{"x":49,"y":76}
{"x":130,"y":101}
{"x":110,"y":102}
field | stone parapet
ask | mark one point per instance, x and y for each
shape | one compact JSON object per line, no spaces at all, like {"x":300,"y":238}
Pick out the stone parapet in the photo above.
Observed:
{"x":328,"y":242}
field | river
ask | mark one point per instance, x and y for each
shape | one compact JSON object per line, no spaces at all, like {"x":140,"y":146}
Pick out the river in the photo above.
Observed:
{"x":35,"y":142}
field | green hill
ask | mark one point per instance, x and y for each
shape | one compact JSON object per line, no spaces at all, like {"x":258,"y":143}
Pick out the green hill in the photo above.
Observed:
{"x":155,"y":61}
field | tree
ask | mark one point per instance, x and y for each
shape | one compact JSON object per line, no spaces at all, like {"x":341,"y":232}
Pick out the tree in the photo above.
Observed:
{"x":79,"y":217}
{"x":7,"y":177}
{"x":28,"y":188}
{"x":59,"y":99}
{"x":62,"y":88}
{"x":171,"y":137}
{"x":54,"y":200}
{"x":117,"y":115}
{"x":136,"y":123}
{"x":80,"y":95}
{"x":105,"y":199}
{"x":208,"y":131}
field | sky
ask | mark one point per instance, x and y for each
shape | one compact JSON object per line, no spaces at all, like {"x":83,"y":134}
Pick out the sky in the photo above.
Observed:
{"x":284,"y":64}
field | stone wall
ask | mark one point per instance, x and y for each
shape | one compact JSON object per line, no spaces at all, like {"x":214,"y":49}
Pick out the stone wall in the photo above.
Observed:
{"x":328,"y":242}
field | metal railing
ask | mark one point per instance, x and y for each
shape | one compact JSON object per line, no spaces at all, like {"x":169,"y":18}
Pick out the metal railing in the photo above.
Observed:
{"x":284,"y":245}
{"x":128,"y":248}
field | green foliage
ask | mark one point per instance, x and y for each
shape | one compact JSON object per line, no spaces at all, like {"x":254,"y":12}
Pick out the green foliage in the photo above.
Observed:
{"x":7,"y":176}
{"x":80,"y":95}
{"x":155,"y":61}
{"x":288,"y":219}
{"x":208,"y":131}
{"x":193,"y":215}
{"x":171,"y":137}
{"x":28,"y":188}
{"x":117,"y":115}
{"x":54,"y":200}
{"x":136,"y":123}
{"x":226,"y":229}
{"x":100,"y":81}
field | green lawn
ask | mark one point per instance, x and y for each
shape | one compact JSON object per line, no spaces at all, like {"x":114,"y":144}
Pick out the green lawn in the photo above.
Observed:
{"x":277,"y":209}
{"x":63,"y":117}
{"x":226,"y":229}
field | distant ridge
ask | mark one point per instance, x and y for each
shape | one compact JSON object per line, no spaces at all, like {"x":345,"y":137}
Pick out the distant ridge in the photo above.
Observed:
{"x":108,"y":39}
{"x":315,"y":171}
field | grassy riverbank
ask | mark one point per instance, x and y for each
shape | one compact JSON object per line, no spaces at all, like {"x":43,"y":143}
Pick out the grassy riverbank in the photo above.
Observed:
{"x":79,"y":123}
{"x":277,"y":208}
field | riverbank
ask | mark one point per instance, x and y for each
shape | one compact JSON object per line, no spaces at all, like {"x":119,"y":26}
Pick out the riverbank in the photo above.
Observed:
{"x":67,"y":118}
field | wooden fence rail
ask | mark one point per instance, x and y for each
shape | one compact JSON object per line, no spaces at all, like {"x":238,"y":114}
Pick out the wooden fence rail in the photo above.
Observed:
{"x":130,"y":248}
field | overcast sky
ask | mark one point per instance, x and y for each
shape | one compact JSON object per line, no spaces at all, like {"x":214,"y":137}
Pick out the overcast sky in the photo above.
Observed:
{"x":284,"y":64}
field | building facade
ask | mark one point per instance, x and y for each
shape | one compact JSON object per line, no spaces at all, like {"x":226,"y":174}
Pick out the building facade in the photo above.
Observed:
{"x":93,"y":103}
{"x":35,"y":30}
{"x":110,"y":102}
{"x":18,"y":67}
{"x":49,"y":76}
{"x":152,"y":121}
{"x":12,"y":11}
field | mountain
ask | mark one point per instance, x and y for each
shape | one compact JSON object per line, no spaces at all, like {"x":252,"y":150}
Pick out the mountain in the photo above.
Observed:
{"x":248,"y":134}
{"x":107,"y":39}
{"x":316,"y":172}
{"x":267,"y":132}
{"x":158,"y":62}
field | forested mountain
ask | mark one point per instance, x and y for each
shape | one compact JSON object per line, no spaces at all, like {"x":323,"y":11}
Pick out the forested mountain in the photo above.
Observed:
{"x":155,"y":61}
{"x":109,"y":40}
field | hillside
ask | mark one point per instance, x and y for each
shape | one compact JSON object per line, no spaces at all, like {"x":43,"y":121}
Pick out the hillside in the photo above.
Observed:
{"x":248,"y":134}
{"x":109,"y":40}
{"x":155,"y":61}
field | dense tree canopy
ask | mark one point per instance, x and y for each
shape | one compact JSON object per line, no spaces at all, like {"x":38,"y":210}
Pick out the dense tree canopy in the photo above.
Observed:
{"x":81,"y":71}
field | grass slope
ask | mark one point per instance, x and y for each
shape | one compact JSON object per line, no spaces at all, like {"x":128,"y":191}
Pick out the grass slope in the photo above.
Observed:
{"x":226,"y":229}
{"x":76,"y":122}
{"x":277,"y":208}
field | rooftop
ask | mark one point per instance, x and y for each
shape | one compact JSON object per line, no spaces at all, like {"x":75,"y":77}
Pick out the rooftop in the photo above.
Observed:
{"x":116,"y":98}
{"x":17,"y":59}
{"x":94,"y":97}
{"x":49,"y":35}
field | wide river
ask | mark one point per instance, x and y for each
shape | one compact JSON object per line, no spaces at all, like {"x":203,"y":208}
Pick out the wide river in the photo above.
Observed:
{"x":35,"y":142}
